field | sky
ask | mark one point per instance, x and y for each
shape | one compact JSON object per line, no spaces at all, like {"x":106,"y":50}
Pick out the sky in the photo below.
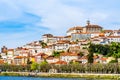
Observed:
{"x":24,"y":21}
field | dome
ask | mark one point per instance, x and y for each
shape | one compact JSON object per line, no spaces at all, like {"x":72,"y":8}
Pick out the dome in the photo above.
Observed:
{"x":92,"y":26}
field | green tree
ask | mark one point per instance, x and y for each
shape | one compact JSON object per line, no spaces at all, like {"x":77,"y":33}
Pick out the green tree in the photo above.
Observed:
{"x":44,"y":66}
{"x":57,"y":53}
{"x":43,"y":44}
{"x":90,"y":55}
{"x":81,"y":54}
{"x":34,"y":66}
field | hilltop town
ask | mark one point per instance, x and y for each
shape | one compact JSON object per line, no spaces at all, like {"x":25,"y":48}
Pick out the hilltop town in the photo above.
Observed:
{"x":60,"y":50}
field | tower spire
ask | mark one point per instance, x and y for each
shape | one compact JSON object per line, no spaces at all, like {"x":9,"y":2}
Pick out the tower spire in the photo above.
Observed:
{"x":88,"y":22}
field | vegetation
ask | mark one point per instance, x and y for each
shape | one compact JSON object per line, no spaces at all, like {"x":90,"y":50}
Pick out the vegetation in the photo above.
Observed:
{"x":57,"y":53}
{"x":43,"y":44}
{"x":34,"y":66}
{"x":112,"y":49}
{"x":90,"y":55}
{"x":70,"y":68}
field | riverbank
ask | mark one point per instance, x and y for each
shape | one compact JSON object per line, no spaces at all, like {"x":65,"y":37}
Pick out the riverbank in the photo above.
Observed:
{"x":63,"y":75}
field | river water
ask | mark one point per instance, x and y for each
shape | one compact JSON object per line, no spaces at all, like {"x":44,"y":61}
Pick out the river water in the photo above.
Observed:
{"x":33,"y":78}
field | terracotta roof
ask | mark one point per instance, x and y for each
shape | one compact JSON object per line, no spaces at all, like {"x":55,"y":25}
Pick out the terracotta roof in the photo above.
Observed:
{"x":60,"y":62}
{"x":67,"y":37}
{"x":58,"y":36}
{"x":73,"y":42}
{"x":107,"y":31}
{"x":18,"y":57}
{"x":104,"y":59}
{"x":63,"y":41}
{"x":50,"y":58}
{"x":93,"y":26}
{"x":68,"y":54}
{"x":10,"y":49}
{"x":95,"y":56}
{"x":40,"y":54}
{"x":101,"y":34}
{"x":48,"y":35}
{"x":113,"y":36}
{"x":75,"y":28}
{"x":1,"y":61}
{"x":87,"y":33}
{"x":84,"y":57}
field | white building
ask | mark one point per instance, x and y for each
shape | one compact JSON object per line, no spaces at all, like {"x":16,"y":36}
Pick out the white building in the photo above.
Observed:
{"x":114,"y":38}
{"x":76,"y":29}
{"x":67,"y":57}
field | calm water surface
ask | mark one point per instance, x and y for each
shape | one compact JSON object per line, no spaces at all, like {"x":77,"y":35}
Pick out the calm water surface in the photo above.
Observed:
{"x":33,"y":78}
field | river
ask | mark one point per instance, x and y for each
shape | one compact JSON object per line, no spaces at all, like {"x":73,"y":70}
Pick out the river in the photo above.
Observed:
{"x":39,"y":78}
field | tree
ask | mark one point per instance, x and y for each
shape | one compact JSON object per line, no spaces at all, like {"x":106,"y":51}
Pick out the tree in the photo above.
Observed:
{"x":80,"y":54}
{"x":90,"y":55}
{"x":57,"y":53}
{"x":34,"y":66}
{"x":44,"y":66}
{"x":43,"y":63}
{"x":43,"y":44}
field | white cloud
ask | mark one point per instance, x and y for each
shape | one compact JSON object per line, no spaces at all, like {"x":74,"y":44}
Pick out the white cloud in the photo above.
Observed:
{"x":56,"y":15}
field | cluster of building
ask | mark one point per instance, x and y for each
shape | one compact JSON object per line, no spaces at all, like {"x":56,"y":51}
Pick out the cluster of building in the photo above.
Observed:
{"x":71,"y":47}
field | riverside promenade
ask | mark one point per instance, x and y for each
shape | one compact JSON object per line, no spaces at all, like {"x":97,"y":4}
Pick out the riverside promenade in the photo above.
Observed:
{"x":68,"y":75}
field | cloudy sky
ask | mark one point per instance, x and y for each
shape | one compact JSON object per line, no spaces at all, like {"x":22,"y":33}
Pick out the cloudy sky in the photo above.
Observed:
{"x":23,"y":21}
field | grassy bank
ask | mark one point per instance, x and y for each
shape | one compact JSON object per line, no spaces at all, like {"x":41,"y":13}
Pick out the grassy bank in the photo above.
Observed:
{"x":64,"y":75}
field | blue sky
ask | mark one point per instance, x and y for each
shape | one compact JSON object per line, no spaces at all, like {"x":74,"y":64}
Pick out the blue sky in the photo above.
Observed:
{"x":23,"y":21}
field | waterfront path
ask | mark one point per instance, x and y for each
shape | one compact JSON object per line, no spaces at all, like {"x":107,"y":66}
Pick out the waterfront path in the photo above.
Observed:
{"x":80,"y":75}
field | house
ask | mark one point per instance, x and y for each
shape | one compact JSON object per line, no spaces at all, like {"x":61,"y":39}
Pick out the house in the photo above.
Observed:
{"x":113,"y":39}
{"x":52,"y":59}
{"x":60,"y":63}
{"x":61,"y":45}
{"x":40,"y":57}
{"x":2,"y":61}
{"x":108,"y":32}
{"x":4,"y":49}
{"x":95,"y":34}
{"x":18,"y":60}
{"x":76,"y":29}
{"x":103,"y":60}
{"x":48,"y":38}
{"x":47,"y":50}
{"x":67,"y":56}
{"x":10,"y":53}
{"x":116,"y":33}
{"x":3,"y":55}
{"x":75,"y":49}
{"x":83,"y":59}
{"x":9,"y":61}
{"x":21,"y":52}
{"x":80,"y":36}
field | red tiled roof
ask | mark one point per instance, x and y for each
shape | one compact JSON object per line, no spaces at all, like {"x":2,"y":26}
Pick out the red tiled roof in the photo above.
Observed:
{"x":68,"y":54}
{"x":1,"y":61}
{"x":93,"y":26}
{"x":18,"y":57}
{"x":60,"y":62}
{"x":113,"y":36}
{"x":108,"y":31}
{"x":75,"y":28}
{"x":103,"y":59}
{"x":10,"y":49}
